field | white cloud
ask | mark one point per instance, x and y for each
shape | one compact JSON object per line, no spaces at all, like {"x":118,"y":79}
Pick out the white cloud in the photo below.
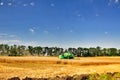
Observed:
{"x":1,"y":3}
{"x":79,"y":15}
{"x":12,"y":35}
{"x":106,"y":32}
{"x":46,"y":32}
{"x":25,"y":5}
{"x":31,"y":30}
{"x":15,"y":41}
{"x":4,"y":35}
{"x":29,"y":43}
{"x":32,"y":3}
{"x":58,"y":28}
{"x":9,"y":41}
{"x":36,"y":28}
{"x":109,"y":4}
{"x":71,"y":31}
{"x":9,"y":4}
{"x":91,"y":1}
{"x":97,"y":15}
{"x":19,"y":42}
{"x":52,"y":4}
{"x":116,"y":1}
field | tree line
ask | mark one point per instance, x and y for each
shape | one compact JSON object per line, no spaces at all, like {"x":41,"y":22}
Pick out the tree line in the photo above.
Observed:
{"x":21,"y":50}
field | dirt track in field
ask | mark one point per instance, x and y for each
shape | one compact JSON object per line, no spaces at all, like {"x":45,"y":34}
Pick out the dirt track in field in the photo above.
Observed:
{"x":52,"y":66}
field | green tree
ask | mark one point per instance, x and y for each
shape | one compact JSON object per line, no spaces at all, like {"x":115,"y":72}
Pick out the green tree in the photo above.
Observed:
{"x":21,"y":49}
{"x":38,"y":50}
{"x":79,"y":51}
{"x":92,"y":51}
{"x":45,"y":51}
{"x":86,"y":52}
{"x":98,"y":51}
{"x":13,"y":51}
{"x":112,"y":51}
{"x":118,"y":52}
{"x":31,"y":50}
{"x":104,"y":52}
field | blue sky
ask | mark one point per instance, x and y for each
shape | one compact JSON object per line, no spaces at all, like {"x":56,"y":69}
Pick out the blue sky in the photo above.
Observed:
{"x":62,"y":23}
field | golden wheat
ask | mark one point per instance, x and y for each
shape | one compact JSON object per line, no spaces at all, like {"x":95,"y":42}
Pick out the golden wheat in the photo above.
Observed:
{"x":52,"y":66}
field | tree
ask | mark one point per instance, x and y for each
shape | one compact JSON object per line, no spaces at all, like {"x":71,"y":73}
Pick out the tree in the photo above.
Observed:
{"x":98,"y":50}
{"x":112,"y":51}
{"x":31,"y":50}
{"x":45,"y":51}
{"x":13,"y":51}
{"x":86,"y":52}
{"x":79,"y":51}
{"x":70,"y":50}
{"x":21,"y":49}
{"x":118,"y":52}
{"x":50,"y":51}
{"x":104,"y":52}
{"x":38,"y":50}
{"x":92,"y":51}
{"x":7,"y":49}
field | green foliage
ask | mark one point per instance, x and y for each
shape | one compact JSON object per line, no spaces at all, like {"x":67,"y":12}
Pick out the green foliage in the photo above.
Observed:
{"x":105,"y":76}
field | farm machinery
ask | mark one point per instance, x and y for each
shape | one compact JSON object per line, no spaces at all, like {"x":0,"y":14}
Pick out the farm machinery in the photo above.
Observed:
{"x":66,"y":55}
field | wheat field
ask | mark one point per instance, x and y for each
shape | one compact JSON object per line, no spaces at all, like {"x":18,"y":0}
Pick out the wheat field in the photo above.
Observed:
{"x":53,"y":66}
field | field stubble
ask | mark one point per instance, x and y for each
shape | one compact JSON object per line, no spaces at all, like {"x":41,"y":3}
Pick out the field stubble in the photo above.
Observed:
{"x":52,"y":66}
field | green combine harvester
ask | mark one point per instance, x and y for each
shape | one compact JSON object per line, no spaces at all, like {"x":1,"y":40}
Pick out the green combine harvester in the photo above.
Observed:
{"x":66,"y":55}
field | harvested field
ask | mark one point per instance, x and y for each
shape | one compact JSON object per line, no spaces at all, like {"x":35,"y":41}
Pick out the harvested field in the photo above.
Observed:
{"x":38,"y":67}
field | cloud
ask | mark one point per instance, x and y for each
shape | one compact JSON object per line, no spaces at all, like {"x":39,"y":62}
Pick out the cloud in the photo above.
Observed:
{"x":109,"y":4}
{"x":46,"y":32}
{"x":4,"y":35}
{"x":10,"y":41}
{"x":52,"y":4}
{"x":113,"y":2}
{"x":116,"y":1}
{"x":1,"y":3}
{"x":19,"y":42}
{"x":31,"y":30}
{"x":16,"y":3}
{"x":12,"y":35}
{"x":24,"y":5}
{"x":106,"y":32}
{"x":79,"y":15}
{"x":9,"y":4}
{"x":32,"y":3}
{"x":71,"y":31}
{"x":30,"y":43}
{"x":91,"y":1}
{"x":97,"y":15}
{"x":58,"y":28}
